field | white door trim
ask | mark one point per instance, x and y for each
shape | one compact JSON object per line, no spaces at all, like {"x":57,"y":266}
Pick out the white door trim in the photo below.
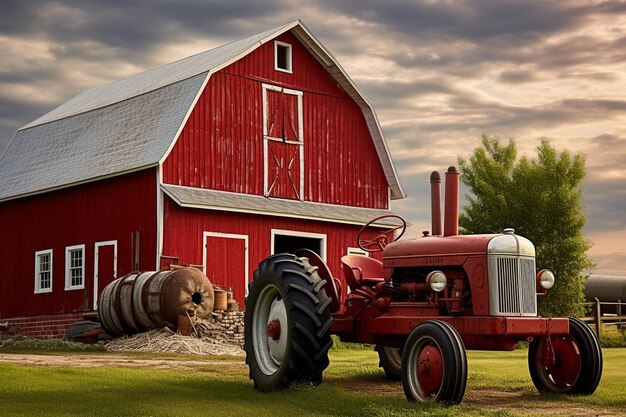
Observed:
{"x":95,"y":267}
{"x":266,"y":137}
{"x":283,"y":232}
{"x":206,"y":235}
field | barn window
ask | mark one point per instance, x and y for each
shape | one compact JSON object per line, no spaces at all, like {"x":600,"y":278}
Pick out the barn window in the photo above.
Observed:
{"x":75,"y":267}
{"x":282,"y":57}
{"x":43,"y":271}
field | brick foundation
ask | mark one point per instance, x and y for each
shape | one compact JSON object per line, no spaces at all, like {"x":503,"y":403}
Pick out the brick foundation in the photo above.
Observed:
{"x":44,"y":327}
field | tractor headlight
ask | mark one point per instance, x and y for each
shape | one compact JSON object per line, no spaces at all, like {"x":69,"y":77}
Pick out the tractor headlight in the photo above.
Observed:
{"x":545,"y":279}
{"x":437,"y":281}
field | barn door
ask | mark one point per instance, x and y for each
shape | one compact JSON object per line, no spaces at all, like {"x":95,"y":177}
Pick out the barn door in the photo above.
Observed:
{"x":105,"y":267}
{"x":283,"y":146}
{"x":225,"y":262}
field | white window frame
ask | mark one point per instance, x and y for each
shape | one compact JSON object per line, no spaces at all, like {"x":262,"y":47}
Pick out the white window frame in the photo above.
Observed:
{"x":357,"y":251}
{"x":206,"y":235}
{"x":267,"y":138}
{"x":68,"y":277}
{"x":38,"y":289}
{"x":321,"y":236}
{"x":96,"y":273}
{"x":289,"y":57}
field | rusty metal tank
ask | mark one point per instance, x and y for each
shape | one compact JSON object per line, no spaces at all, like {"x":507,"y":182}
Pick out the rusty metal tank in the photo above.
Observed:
{"x":142,"y":301}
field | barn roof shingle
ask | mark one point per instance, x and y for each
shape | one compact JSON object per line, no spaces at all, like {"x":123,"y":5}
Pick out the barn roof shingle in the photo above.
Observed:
{"x":133,"y":123}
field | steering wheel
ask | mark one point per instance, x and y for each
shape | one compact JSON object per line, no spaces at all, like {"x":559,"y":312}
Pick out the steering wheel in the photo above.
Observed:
{"x":384,"y":238}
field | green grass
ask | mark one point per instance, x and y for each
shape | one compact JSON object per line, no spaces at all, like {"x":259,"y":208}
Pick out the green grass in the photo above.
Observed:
{"x":353,"y":387}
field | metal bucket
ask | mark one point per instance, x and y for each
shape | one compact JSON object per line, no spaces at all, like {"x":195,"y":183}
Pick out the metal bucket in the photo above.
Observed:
{"x":143,"y":301}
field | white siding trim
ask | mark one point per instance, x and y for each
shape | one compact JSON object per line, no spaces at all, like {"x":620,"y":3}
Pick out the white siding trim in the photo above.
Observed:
{"x":282,"y":232}
{"x":68,"y":278}
{"x":38,"y":289}
{"x":205,"y":235}
{"x":159,"y":216}
{"x":97,"y":247}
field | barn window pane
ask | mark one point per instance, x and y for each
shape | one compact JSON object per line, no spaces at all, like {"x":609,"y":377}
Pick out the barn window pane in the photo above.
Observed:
{"x":43,"y":271}
{"x":75,"y":267}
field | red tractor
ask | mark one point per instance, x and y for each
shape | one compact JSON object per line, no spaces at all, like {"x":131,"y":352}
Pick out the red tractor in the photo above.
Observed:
{"x":428,"y":301}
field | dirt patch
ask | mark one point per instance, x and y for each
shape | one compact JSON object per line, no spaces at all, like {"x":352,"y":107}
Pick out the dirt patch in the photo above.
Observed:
{"x":89,"y":361}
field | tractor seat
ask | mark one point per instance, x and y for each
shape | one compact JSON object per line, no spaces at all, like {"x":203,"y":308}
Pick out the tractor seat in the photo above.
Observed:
{"x":362,"y":271}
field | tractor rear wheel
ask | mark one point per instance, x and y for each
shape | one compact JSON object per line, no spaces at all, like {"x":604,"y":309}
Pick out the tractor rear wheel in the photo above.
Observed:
{"x":287,"y":324}
{"x":569,"y":364}
{"x":434,"y":364}
{"x":390,"y":359}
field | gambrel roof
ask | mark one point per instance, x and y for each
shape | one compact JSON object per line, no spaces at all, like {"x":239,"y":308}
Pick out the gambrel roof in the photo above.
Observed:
{"x":133,"y":123}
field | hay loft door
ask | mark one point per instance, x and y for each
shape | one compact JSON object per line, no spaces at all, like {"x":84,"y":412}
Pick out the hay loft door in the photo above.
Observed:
{"x":283,"y":143}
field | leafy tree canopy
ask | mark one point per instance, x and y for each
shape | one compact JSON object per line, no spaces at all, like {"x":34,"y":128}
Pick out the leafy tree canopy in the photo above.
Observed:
{"x":541,"y":198}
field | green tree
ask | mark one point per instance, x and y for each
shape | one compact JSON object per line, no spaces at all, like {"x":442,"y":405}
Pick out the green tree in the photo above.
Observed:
{"x":541,"y":198}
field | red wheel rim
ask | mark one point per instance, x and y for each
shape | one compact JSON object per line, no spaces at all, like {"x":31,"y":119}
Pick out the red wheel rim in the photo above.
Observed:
{"x":430,"y":370}
{"x":562,"y":369}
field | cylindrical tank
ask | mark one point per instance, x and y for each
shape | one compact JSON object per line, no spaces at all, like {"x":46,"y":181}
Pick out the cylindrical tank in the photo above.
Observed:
{"x":142,"y":301}
{"x":607,"y":289}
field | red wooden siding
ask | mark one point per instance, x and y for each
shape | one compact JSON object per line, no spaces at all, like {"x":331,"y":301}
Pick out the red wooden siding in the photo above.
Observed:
{"x":106,"y":210}
{"x":221,"y":146}
{"x":184,"y":228}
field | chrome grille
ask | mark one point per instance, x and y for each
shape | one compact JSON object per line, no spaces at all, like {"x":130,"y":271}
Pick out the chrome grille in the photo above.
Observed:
{"x":512,"y":286}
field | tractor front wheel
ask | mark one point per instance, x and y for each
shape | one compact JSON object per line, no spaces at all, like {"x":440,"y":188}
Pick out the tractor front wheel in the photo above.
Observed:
{"x":287,"y":324}
{"x":434,"y":364}
{"x":569,"y":364}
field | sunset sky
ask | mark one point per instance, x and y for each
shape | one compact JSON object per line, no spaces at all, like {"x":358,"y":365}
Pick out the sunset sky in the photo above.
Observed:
{"x":439,"y":74}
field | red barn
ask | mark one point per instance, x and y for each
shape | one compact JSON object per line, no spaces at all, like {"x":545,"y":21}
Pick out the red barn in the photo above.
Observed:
{"x":259,"y":146}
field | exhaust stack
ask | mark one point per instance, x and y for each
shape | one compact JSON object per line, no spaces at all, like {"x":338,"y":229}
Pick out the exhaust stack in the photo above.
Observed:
{"x":451,"y":221}
{"x":435,"y":203}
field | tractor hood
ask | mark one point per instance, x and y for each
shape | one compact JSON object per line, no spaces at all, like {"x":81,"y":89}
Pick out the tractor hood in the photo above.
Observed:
{"x":453,"y":250}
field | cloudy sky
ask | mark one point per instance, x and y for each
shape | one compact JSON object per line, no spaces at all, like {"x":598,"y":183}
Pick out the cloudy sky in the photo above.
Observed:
{"x":439,"y":73}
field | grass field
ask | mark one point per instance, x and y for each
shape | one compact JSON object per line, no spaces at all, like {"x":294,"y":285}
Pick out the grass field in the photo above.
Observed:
{"x":132,"y":385}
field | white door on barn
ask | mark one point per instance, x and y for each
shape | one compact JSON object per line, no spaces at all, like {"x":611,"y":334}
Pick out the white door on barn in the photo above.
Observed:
{"x":283,"y":143}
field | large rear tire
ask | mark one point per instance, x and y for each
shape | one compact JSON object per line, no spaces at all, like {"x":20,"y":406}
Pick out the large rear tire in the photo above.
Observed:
{"x":287,"y":324}
{"x":390,"y":359}
{"x":434,"y":364}
{"x":576,"y":366}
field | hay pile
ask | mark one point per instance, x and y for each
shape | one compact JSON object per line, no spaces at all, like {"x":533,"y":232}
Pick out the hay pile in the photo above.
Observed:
{"x":222,"y":334}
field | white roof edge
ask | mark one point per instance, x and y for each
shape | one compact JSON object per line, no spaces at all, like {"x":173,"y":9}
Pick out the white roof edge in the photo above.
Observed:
{"x":73,"y":184}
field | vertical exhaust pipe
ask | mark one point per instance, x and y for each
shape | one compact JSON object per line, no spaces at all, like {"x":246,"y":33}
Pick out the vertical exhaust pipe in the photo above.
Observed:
{"x":435,"y":203}
{"x":451,"y":221}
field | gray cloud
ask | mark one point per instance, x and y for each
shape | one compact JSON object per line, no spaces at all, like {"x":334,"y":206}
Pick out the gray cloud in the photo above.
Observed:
{"x":438,"y":73}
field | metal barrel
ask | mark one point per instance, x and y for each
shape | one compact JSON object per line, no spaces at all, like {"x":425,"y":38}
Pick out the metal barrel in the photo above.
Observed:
{"x":143,"y":301}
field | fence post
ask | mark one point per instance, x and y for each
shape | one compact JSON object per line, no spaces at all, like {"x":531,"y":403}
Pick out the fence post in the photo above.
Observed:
{"x":598,"y":317}
{"x":619,"y":313}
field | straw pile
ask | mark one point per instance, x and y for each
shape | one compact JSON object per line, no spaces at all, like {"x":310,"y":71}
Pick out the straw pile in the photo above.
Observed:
{"x":222,"y":334}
